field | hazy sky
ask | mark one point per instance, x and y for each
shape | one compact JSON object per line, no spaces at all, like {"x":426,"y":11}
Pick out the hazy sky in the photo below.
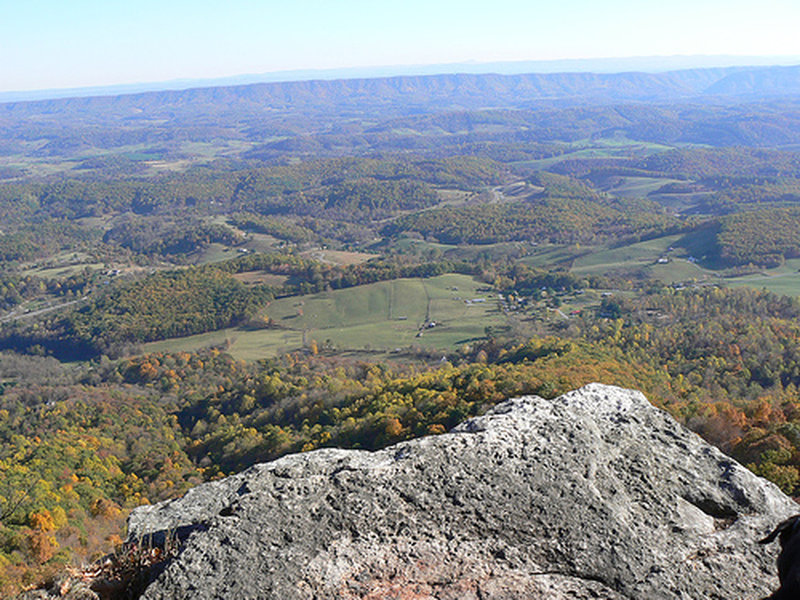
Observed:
{"x":73,"y":43}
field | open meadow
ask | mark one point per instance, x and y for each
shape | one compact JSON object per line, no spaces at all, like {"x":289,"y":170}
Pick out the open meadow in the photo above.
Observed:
{"x":440,"y":313}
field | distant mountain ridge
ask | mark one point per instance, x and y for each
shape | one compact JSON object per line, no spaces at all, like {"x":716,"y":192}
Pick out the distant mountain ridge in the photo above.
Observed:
{"x":454,"y":91}
{"x":270,"y":121}
{"x":644,"y":64}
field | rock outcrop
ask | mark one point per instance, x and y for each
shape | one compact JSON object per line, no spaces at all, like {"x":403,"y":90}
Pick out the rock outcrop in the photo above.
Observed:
{"x":596,"y":494}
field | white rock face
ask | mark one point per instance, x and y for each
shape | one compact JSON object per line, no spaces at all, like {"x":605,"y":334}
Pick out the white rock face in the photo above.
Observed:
{"x":596,"y":494}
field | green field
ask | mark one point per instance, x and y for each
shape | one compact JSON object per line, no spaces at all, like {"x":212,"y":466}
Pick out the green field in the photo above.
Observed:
{"x":634,"y":255}
{"x":639,"y":187}
{"x":549,"y":255}
{"x":609,"y":147}
{"x":781,"y":280}
{"x":214,"y":253}
{"x":381,"y":316}
{"x":62,"y":265}
{"x":643,"y":257}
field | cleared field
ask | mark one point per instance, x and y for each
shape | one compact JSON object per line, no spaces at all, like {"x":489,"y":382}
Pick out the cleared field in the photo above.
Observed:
{"x":788,"y":285}
{"x":643,"y":257}
{"x":64,"y":271}
{"x":379,"y":316}
{"x":639,"y":187}
{"x":547,"y":255}
{"x":216,"y":148}
{"x":261,"y":242}
{"x":61,"y":265}
{"x":618,"y":140}
{"x":609,"y":147}
{"x":213,"y":254}
{"x":634,"y":255}
{"x":679,"y":270}
{"x":339,"y":257}
{"x":681,"y":203}
{"x":243,"y":345}
{"x":453,"y":197}
{"x":782,"y":280}
{"x":252,"y":277}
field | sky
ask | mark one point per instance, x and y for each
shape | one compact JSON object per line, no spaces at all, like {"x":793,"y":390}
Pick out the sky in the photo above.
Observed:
{"x":48,"y":44}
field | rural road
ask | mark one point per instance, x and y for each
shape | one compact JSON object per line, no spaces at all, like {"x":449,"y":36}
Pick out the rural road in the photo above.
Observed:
{"x":13,"y":315}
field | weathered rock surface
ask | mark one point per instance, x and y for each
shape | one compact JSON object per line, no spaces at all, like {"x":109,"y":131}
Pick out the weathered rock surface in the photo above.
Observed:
{"x":595,"y":494}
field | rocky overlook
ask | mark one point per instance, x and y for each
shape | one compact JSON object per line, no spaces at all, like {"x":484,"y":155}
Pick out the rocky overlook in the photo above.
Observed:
{"x":596,"y":494}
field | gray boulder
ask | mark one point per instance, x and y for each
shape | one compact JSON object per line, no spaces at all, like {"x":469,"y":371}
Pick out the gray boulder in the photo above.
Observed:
{"x":596,"y":494}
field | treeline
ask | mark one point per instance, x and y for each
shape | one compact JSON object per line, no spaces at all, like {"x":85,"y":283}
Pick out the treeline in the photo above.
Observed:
{"x":737,"y":162}
{"x":716,"y":169}
{"x":307,"y":275}
{"x":168,"y":304}
{"x":15,"y":288}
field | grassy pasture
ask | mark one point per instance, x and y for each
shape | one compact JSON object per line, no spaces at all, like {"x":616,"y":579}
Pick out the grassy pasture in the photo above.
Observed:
{"x":618,"y":140}
{"x":608,"y":147}
{"x":261,"y":242}
{"x":214,"y":253}
{"x":634,"y":255}
{"x":379,"y":317}
{"x":62,"y":265}
{"x":338,"y":257}
{"x":639,"y":187}
{"x":546,"y":255}
{"x":781,"y":280}
{"x":679,"y":270}
{"x":453,"y":197}
{"x":468,"y":252}
{"x":788,"y":285}
{"x":253,"y":277}
{"x":643,"y":257}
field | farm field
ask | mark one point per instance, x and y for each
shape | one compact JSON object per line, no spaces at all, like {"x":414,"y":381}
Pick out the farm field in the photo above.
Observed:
{"x":338,"y":257}
{"x":639,"y":187}
{"x":781,"y":280}
{"x":634,"y":255}
{"x":379,"y":316}
{"x":608,"y":147}
{"x":214,"y":253}
{"x":547,"y":255}
{"x":643,"y":257}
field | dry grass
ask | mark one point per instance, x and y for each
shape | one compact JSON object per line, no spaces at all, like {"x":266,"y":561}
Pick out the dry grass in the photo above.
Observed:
{"x":253,"y":277}
{"x":122,"y":575}
{"x":339,"y":257}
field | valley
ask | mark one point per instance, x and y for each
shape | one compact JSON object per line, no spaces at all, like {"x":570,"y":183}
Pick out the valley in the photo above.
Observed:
{"x":197,"y":281}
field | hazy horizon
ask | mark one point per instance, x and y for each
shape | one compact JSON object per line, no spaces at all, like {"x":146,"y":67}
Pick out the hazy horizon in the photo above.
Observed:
{"x":51,"y":45}
{"x":650,"y":64}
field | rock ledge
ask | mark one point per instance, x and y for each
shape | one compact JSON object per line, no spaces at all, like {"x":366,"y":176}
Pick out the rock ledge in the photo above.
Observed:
{"x":595,"y":494}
